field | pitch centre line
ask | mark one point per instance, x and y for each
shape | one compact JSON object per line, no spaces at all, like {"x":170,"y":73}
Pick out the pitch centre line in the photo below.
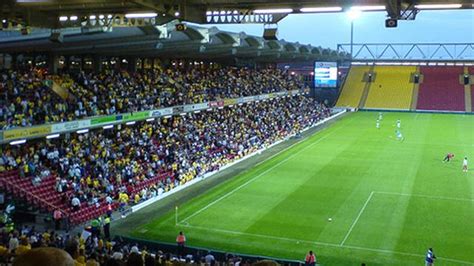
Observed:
{"x":260,"y":175}
{"x":357,"y":218}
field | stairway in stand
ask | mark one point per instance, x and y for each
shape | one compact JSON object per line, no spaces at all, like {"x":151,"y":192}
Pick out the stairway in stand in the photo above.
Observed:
{"x":467,"y":93}
{"x":365,"y":94}
{"x":416,"y":89}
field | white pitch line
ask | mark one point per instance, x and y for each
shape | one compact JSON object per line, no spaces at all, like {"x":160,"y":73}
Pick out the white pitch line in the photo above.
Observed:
{"x":292,"y":240}
{"x":259,"y":235}
{"x":357,"y":218}
{"x":258,"y":176}
{"x":405,"y":254}
{"x":424,"y":196}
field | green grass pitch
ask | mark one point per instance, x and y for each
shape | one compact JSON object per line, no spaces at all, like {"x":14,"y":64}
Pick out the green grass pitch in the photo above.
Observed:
{"x":389,"y":200}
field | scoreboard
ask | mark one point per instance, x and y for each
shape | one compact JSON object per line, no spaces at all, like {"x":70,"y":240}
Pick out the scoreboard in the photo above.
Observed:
{"x":325,"y":74}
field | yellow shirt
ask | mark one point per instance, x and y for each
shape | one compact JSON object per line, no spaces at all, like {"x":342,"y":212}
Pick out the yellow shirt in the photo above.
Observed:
{"x":92,"y":263}
{"x":124,"y":198}
{"x":82,"y":242}
{"x":137,"y":198}
{"x":21,"y":249}
{"x":3,"y":250}
{"x":77,"y":263}
{"x":46,"y":236}
{"x":100,"y":245}
{"x":26,"y":168}
{"x":81,"y":260}
{"x":108,"y":245}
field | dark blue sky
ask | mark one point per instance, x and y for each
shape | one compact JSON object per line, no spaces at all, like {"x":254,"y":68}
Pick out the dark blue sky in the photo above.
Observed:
{"x":328,"y":30}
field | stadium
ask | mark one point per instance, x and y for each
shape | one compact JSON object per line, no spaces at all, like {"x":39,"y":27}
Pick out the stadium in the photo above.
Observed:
{"x":172,"y":132}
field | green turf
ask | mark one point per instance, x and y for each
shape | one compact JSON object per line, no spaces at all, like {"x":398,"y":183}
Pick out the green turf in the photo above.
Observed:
{"x":389,"y":200}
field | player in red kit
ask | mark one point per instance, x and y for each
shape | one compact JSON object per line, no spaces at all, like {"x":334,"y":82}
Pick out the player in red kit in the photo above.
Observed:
{"x":448,"y":157}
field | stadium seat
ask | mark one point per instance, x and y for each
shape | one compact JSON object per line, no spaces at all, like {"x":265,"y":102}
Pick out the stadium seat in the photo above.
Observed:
{"x":391,"y":89}
{"x":353,"y":88}
{"x":441,"y":89}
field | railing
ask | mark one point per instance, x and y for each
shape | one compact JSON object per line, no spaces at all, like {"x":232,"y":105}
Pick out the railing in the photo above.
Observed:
{"x":26,"y":192}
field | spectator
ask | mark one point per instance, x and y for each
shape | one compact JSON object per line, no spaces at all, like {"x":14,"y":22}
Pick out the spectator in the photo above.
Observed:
{"x":95,"y":227}
{"x":75,"y":203}
{"x":135,"y":259}
{"x":57,"y":215}
{"x":72,"y":248}
{"x":134,"y":249}
{"x":92,"y":261}
{"x":13,"y":242}
{"x":23,"y":247}
{"x":81,"y":258}
{"x":149,"y":260}
{"x":44,"y":256}
{"x":209,"y":258}
{"x":106,"y":227}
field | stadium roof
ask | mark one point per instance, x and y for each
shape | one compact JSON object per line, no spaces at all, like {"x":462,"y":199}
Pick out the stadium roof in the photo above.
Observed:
{"x":165,"y":42}
{"x":46,"y":13}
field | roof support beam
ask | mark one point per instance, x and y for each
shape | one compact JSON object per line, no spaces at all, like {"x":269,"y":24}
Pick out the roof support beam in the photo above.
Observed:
{"x":160,"y":8}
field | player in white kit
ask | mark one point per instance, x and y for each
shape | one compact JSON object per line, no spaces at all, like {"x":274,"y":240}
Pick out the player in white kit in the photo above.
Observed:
{"x":399,"y":135}
{"x":464,"y":164}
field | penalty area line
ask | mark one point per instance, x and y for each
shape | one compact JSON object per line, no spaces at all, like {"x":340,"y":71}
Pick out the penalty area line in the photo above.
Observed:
{"x":357,"y":218}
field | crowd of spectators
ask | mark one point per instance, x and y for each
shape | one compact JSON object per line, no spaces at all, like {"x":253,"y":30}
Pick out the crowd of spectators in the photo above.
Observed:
{"x":105,"y":165}
{"x":27,"y":99}
{"x":29,"y":246}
